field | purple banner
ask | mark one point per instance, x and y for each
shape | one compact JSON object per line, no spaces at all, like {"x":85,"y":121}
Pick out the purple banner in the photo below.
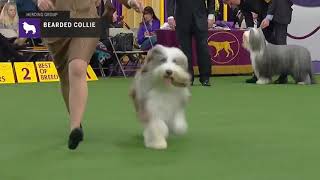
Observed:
{"x":165,"y":11}
{"x":307,"y":3}
{"x":224,"y":46}
{"x":118,"y":7}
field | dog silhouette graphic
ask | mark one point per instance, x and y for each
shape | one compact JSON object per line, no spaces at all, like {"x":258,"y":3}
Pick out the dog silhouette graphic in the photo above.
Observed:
{"x":219,"y":46}
{"x":29,"y":27}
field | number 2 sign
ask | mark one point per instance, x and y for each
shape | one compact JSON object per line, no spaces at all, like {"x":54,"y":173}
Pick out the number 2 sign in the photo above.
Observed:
{"x":25,"y":72}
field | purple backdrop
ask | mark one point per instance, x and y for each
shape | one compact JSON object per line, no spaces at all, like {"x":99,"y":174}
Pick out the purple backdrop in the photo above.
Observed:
{"x":232,"y":52}
{"x":118,"y":7}
{"x":308,"y":3}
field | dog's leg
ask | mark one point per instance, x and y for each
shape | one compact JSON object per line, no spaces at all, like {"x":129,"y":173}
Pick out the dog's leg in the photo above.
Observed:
{"x":155,"y":134}
{"x":263,"y":80}
{"x":232,"y":52}
{"x":179,"y":125}
{"x":133,"y":95}
{"x":228,"y":53}
{"x":217,"y":53}
{"x":307,"y":80}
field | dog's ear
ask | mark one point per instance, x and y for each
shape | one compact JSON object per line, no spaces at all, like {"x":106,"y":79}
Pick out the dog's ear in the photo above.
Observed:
{"x":256,"y":40}
{"x":154,"y":53}
{"x":251,"y":33}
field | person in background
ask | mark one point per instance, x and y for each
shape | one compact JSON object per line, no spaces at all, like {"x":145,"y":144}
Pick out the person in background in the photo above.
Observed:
{"x":280,"y":14}
{"x":116,"y":21}
{"x":248,"y":7}
{"x":8,"y":51}
{"x":9,"y":17}
{"x":193,"y":18}
{"x":146,"y":34}
{"x":25,"y":6}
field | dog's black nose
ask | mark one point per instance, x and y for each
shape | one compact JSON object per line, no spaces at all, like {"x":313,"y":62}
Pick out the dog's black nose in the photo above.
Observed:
{"x":169,"y":72}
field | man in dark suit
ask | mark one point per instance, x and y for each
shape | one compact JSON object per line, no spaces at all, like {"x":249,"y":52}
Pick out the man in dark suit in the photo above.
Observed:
{"x":279,"y":13}
{"x":193,"y":17}
{"x":259,"y":7}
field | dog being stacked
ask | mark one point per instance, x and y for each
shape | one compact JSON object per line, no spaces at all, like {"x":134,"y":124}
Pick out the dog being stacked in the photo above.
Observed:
{"x":269,"y":60}
{"x":160,"y":93}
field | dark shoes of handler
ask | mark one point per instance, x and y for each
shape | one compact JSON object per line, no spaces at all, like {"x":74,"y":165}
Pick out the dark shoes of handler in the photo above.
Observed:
{"x":75,"y":137}
{"x":204,"y":81}
{"x":283,"y":79}
{"x":254,"y":79}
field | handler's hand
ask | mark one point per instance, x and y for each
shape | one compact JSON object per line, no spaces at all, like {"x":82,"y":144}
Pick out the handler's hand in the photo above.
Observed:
{"x":136,"y":5}
{"x":45,"y":5}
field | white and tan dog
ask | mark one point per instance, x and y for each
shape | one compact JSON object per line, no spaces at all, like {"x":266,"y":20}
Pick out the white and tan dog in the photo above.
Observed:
{"x":160,"y":93}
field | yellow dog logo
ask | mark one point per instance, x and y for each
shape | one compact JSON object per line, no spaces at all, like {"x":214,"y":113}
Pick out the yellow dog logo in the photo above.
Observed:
{"x":219,"y":46}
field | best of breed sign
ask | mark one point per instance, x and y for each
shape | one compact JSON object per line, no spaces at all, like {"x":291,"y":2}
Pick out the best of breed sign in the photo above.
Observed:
{"x":29,"y":72}
{"x":47,"y":72}
{"x":6,"y":73}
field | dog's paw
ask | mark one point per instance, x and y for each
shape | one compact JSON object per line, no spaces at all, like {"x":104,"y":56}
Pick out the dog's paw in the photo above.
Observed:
{"x":263,"y":81}
{"x":302,"y":83}
{"x":180,"y":128}
{"x":157,"y":145}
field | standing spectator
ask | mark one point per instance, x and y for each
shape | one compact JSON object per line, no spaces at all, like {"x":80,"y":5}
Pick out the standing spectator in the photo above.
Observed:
{"x":280,"y":14}
{"x":193,"y":18}
{"x":25,"y":6}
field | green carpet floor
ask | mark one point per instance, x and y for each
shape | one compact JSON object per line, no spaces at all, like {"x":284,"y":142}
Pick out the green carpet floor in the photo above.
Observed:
{"x":237,"y":132}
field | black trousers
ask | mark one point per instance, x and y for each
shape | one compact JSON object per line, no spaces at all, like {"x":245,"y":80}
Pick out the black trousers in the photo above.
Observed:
{"x":197,"y":27}
{"x":280,"y":33}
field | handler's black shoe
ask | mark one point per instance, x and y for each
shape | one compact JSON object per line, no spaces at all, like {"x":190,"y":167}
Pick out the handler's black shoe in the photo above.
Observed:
{"x":75,"y":137}
{"x":205,"y":83}
{"x":252,"y":80}
{"x":281,"y":80}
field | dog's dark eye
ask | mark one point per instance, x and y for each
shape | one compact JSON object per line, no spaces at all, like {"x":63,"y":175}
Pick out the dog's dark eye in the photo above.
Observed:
{"x":163,"y":60}
{"x":177,"y":61}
